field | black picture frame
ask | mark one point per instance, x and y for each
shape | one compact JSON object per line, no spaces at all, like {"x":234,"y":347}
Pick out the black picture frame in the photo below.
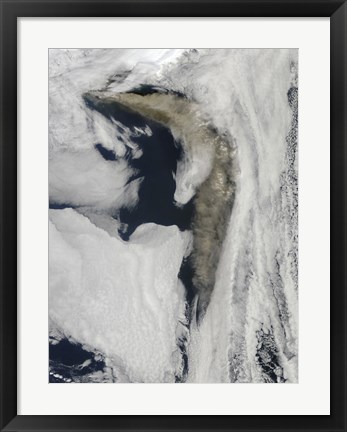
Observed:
{"x":10,"y":11}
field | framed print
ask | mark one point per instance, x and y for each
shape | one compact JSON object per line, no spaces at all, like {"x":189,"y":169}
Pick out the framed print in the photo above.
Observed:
{"x":173,"y":215}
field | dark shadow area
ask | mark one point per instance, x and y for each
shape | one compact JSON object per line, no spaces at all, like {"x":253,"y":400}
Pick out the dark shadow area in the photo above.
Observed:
{"x":145,"y":89}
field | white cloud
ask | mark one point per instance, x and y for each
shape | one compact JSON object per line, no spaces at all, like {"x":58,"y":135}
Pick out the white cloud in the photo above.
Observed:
{"x":123,"y":299}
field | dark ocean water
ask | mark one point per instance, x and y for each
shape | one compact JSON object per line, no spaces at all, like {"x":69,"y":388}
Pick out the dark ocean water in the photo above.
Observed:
{"x":156,"y":168}
{"x":66,"y":361}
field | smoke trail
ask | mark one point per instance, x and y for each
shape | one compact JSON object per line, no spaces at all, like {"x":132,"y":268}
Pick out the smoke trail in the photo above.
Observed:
{"x":215,"y":194}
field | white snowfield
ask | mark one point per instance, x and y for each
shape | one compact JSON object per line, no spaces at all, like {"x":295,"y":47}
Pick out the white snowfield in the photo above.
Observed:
{"x":124,"y":299}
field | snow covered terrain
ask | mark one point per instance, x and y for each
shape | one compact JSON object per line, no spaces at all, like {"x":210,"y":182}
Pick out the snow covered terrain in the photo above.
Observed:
{"x":165,"y":163}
